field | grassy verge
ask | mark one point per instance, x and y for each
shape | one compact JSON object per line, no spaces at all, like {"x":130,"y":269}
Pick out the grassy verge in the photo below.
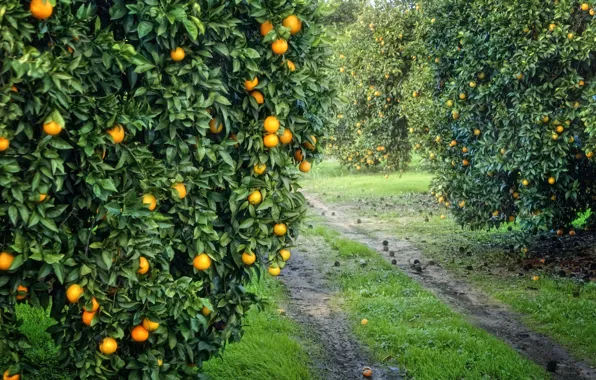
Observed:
{"x":408,"y":326}
{"x":270,"y":348}
{"x":562,"y":308}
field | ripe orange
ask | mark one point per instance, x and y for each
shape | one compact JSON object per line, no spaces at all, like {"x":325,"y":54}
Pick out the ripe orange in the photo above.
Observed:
{"x":274,"y":271}
{"x":4,"y":144}
{"x":560,"y":129}
{"x":270,"y":141}
{"x":258,"y":97}
{"x":364,"y":322}
{"x":520,"y":76}
{"x":249,"y":85}
{"x":7,"y":376}
{"x":159,"y":362}
{"x":42,"y":197}
{"x":525,"y":182}
{"x":552,"y":180}
{"x":52,"y":128}
{"x":108,"y":346}
{"x":5,"y":260}
{"x":572,"y":233}
{"x":205,"y":311}
{"x":465,"y":162}
{"x":150,"y":201}
{"x":477,"y":132}
{"x":139,"y":334}
{"x":149,"y":325}
{"x":285,"y":254}
{"x":143,"y":265}
{"x":94,"y":307}
{"x":308,"y":145}
{"x":472,"y":84}
{"x":463,"y":96}
{"x":88,"y":317}
{"x":581,"y":83}
{"x":181,"y":189}
{"x":298,"y":156}
{"x":279,"y":46}
{"x":177,"y":54}
{"x":201,"y":262}
{"x":213,"y":127}
{"x":293,"y":23}
{"x":560,"y":232}
{"x":22,"y":289}
{"x":455,"y":115}
{"x":449,"y":103}
{"x":259,"y":169}
{"x":280,"y":229}
{"x":255,"y":198}
{"x":248,"y":258}
{"x":117,"y":133}
{"x":286,"y":137}
{"x":74,"y":292}
{"x":266,"y":27}
{"x":304,"y":166}
{"x":291,"y":65}
{"x":271,"y":124}
{"x":366,"y":372}
{"x":41,"y":9}
{"x":570,"y":36}
{"x":585,"y":6}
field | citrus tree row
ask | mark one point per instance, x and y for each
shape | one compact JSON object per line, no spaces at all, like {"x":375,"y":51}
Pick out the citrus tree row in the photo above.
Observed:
{"x":374,"y":56}
{"x":512,"y":135}
{"x":149,"y":159}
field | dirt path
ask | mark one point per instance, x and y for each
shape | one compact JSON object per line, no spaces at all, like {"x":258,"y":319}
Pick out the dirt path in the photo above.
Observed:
{"x":310,"y":304}
{"x":480,"y":309}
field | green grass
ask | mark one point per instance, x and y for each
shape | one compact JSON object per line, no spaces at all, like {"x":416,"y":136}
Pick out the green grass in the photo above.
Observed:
{"x":328,"y":177}
{"x":548,"y":305}
{"x":408,"y":326}
{"x":273,"y":346}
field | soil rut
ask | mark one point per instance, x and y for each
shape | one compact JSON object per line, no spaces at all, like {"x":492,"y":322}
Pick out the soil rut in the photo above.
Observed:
{"x":480,"y":309}
{"x":310,"y":304}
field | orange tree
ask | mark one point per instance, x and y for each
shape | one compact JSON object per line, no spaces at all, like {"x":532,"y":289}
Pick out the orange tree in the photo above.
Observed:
{"x":373,"y":57}
{"x":512,"y":136}
{"x":149,"y":154}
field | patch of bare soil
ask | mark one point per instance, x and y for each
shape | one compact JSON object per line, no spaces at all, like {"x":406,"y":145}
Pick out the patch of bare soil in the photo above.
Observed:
{"x":480,"y":309}
{"x":310,"y":304}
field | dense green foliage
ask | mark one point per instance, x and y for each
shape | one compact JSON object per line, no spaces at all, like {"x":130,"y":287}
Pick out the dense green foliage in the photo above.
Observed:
{"x":512,"y":136}
{"x":72,"y":194}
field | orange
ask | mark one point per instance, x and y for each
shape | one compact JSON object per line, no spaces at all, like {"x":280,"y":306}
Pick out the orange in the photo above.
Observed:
{"x":293,"y":23}
{"x":255,"y":197}
{"x":74,"y":292}
{"x":149,"y":325}
{"x":23,"y":289}
{"x":94,"y":307}
{"x":150,"y":201}
{"x":159,"y":362}
{"x":139,"y":334}
{"x":271,"y":124}
{"x":455,"y":115}
{"x":181,"y":189}
{"x":108,"y":346}
{"x":279,"y":46}
{"x":298,"y":155}
{"x":213,"y":128}
{"x":258,"y":97}
{"x":291,"y":65}
{"x":177,"y":54}
{"x":201,"y":262}
{"x":525,"y":182}
{"x":477,"y":132}
{"x":5,"y":260}
{"x":41,"y":9}
{"x":308,"y":145}
{"x":364,"y":322}
{"x":205,"y":311}
{"x":581,"y":83}
{"x":266,"y":27}
{"x":571,"y":233}
{"x":143,"y":265}
{"x":260,"y":169}
{"x":42,"y":197}
{"x":552,"y":180}
{"x":465,"y":162}
{"x":560,"y":232}
{"x":285,"y":254}
{"x":14,"y":89}
{"x":449,"y":103}
{"x":286,"y":137}
{"x":248,"y":258}
{"x":7,"y":376}
{"x":88,"y":317}
{"x":280,"y":229}
{"x":463,"y":96}
{"x":560,"y":129}
{"x":274,"y":271}
{"x":366,"y":372}
{"x":52,"y":128}
{"x":249,"y":85}
{"x":585,"y":6}
{"x":270,"y":141}
{"x":117,"y":133}
{"x":304,"y":166}
{"x":4,"y":144}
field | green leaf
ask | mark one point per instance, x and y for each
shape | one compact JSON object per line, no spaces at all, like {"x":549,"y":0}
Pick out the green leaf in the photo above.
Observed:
{"x":144,"y":28}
